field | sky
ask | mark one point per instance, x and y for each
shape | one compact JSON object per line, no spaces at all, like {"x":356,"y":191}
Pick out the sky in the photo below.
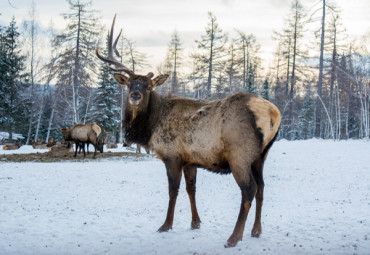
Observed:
{"x":150,"y":23}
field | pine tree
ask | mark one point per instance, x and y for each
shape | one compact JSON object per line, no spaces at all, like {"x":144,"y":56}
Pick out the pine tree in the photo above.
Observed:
{"x":306,"y":117}
{"x":231,"y":68}
{"x":265,"y":93}
{"x":77,"y":62}
{"x":209,"y":59}
{"x":12,"y":107}
{"x":174,"y":57}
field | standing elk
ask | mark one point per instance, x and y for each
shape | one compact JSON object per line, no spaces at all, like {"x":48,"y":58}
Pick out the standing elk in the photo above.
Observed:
{"x":84,"y":133}
{"x":232,"y":135}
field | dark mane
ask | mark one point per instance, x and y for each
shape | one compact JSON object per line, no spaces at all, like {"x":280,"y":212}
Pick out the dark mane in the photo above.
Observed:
{"x":140,"y":129}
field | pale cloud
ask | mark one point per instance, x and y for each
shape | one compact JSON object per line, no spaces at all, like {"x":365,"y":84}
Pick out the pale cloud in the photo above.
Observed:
{"x":150,"y":23}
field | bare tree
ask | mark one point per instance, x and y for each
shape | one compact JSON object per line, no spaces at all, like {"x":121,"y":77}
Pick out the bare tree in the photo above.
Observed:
{"x":77,"y":63}
{"x":247,"y":59}
{"x":289,"y":47}
{"x":211,"y":48}
{"x":31,"y":30}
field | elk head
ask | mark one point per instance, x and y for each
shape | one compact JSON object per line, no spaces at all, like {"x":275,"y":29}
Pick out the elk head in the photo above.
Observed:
{"x":65,"y":133}
{"x":139,"y":86}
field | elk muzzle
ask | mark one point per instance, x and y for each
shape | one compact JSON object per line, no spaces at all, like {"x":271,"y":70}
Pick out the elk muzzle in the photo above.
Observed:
{"x":135,"y":98}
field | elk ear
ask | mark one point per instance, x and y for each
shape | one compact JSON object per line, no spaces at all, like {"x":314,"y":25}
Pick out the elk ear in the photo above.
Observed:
{"x":121,"y":79}
{"x":159,"y":80}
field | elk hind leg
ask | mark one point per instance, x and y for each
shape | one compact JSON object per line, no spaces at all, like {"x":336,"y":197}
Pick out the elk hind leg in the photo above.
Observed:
{"x":95,"y":148}
{"x":173,"y":167}
{"x":257,"y":170}
{"x":82,"y":146}
{"x":244,"y":178}
{"x":190,"y":173}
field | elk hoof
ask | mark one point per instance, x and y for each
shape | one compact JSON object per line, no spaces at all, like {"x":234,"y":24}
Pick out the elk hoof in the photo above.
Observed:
{"x":256,"y":231}
{"x":232,"y":242}
{"x":195,"y":224}
{"x":165,"y":227}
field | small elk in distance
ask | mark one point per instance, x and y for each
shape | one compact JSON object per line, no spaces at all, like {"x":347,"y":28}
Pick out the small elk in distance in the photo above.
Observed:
{"x":12,"y":146}
{"x":232,"y":135}
{"x":84,"y":133}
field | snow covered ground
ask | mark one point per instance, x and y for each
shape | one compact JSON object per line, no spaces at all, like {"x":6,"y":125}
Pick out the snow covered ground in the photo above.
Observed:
{"x":26,"y":149}
{"x":317,"y":201}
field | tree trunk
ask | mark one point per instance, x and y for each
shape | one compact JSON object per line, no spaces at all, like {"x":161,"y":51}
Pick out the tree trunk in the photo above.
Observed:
{"x":321,"y":67}
{"x":288,"y":71}
{"x":121,"y":115}
{"x":174,"y":78}
{"x":50,"y":122}
{"x":210,"y":67}
{"x":75,"y":74}
{"x":244,"y":64}
{"x":293,"y":79}
{"x":32,"y":77}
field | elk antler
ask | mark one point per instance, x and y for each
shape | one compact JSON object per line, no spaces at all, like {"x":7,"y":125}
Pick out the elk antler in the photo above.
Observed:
{"x":119,"y":67}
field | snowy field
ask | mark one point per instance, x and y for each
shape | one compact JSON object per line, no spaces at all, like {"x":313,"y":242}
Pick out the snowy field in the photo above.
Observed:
{"x":317,"y":201}
{"x":26,"y":149}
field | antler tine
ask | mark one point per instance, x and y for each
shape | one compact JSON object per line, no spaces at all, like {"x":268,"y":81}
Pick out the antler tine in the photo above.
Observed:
{"x":111,"y":60}
{"x":115,"y":44}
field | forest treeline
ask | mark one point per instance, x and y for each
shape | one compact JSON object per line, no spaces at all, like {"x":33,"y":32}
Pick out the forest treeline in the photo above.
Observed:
{"x":321,"y":89}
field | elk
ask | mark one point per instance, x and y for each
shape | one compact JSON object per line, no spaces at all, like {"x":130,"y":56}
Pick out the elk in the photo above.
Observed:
{"x":12,"y":146}
{"x":61,"y":148}
{"x":231,"y":135}
{"x":112,"y":145}
{"x":84,"y":133}
{"x":51,"y":142}
{"x":39,"y":144}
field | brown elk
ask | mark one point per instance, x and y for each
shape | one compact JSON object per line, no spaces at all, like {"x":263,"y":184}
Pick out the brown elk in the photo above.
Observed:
{"x":84,"y":133}
{"x":12,"y":146}
{"x":112,"y":146}
{"x":232,"y":135}
{"x":39,"y":144}
{"x":61,"y":148}
{"x":51,"y":142}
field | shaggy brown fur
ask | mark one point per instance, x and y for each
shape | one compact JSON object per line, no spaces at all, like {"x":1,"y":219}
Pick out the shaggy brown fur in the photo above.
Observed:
{"x":232,"y":135}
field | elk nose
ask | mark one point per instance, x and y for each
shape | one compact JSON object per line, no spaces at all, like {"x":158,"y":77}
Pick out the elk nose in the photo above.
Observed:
{"x":135,"y":96}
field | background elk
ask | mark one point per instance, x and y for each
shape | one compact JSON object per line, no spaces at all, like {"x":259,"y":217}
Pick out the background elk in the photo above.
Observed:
{"x":61,"y":148}
{"x":232,"y":135}
{"x":12,"y":146}
{"x":84,"y":133}
{"x":39,"y":144}
{"x":51,"y":142}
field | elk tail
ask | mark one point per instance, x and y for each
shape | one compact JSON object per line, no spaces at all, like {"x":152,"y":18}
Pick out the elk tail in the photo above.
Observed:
{"x":268,"y":146}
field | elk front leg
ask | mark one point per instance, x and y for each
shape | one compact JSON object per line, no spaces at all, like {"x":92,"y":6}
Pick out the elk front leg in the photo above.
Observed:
{"x":173,"y":167}
{"x":248,"y":187}
{"x":77,"y":144}
{"x":190,"y":174}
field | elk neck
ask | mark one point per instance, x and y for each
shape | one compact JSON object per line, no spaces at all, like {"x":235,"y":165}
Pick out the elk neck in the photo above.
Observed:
{"x":139,"y":128}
